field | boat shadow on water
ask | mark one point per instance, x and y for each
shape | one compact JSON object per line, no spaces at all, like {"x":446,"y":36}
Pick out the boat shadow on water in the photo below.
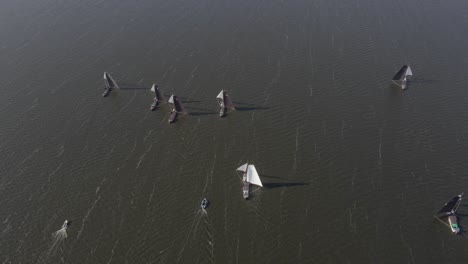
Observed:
{"x":271,"y":185}
{"x":281,"y":183}
{"x":248,"y":107}
{"x":130,"y":86}
{"x":420,"y":80}
{"x":199,"y":111}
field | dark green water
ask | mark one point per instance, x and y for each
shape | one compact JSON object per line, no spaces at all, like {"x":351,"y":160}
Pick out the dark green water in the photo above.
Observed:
{"x":353,"y":167}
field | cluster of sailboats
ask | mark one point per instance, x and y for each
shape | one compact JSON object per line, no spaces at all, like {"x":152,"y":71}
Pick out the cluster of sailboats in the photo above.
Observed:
{"x":446,"y":215}
{"x":223,"y":99}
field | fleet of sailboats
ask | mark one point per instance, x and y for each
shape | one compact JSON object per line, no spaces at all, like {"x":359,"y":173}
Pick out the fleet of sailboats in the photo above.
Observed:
{"x":249,"y":173}
{"x":250,"y":176}
{"x":402,"y":76}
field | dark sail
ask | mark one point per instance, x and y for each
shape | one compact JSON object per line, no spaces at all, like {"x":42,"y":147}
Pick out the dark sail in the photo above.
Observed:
{"x":401,"y":74}
{"x":178,"y":106}
{"x":228,"y":103}
{"x":450,"y":207}
{"x":224,"y":102}
{"x":175,"y":104}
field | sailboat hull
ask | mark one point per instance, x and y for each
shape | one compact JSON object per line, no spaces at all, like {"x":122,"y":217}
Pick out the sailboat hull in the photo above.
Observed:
{"x":154,"y":104}
{"x":246,"y":190}
{"x":222,"y":112}
{"x":106,"y":92}
{"x":453,"y":222}
{"x":173,"y":117}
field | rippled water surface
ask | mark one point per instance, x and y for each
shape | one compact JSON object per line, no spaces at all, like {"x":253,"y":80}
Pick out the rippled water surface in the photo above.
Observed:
{"x":353,"y":167}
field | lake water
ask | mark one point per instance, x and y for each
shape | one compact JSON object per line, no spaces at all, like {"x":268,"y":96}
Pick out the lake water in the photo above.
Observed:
{"x":354,"y":168}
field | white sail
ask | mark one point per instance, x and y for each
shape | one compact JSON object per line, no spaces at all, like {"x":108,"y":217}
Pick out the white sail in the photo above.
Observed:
{"x":105,"y":77}
{"x":171,"y":100}
{"x":252,"y":176}
{"x":409,"y":72}
{"x":153,"y":88}
{"x":220,"y":95}
{"x":243,"y":168}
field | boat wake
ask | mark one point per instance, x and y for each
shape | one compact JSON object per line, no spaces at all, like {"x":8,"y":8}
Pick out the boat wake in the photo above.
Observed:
{"x":57,"y":239}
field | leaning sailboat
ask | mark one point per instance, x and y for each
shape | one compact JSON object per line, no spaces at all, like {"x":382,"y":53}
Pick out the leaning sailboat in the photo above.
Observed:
{"x":158,"y":97}
{"x":250,"y":176}
{"x":402,"y":76}
{"x":109,"y":84}
{"x":224,"y":102}
{"x":449,"y":211}
{"x":176,"y":108}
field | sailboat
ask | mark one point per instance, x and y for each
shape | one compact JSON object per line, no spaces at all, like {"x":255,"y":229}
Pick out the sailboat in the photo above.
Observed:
{"x":402,"y":75}
{"x":224,"y":102}
{"x":250,"y":176}
{"x":158,"y":97}
{"x":449,"y":210}
{"x":109,"y":84}
{"x":176,"y":108}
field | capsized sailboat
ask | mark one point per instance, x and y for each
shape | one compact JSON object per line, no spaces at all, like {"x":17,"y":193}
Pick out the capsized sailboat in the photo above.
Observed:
{"x":449,"y":210}
{"x":224,"y":102}
{"x":250,"y":176}
{"x":402,"y":75}
{"x":109,"y":84}
{"x":158,"y":97}
{"x":176,"y":108}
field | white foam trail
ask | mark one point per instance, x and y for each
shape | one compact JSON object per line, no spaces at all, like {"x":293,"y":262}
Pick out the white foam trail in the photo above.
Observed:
{"x":57,"y":239}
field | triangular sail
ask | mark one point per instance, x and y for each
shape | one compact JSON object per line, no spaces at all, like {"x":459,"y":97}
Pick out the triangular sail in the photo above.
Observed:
{"x":220,"y":98}
{"x":228,"y":103}
{"x":409,"y":72}
{"x":401,"y":74}
{"x":450,"y":207}
{"x":171,"y":103}
{"x":220,"y":95}
{"x":175,"y":104}
{"x":243,"y":168}
{"x":178,"y":106}
{"x":110,"y":81}
{"x":252,"y":176}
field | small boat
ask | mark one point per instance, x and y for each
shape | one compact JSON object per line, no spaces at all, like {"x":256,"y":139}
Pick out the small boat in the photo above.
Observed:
{"x":65,"y":224}
{"x":449,"y":210}
{"x":204,"y":203}
{"x":402,"y":75}
{"x":158,"y":98}
{"x":176,"y":108}
{"x":109,"y":84}
{"x":250,"y":176}
{"x":224,"y":102}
